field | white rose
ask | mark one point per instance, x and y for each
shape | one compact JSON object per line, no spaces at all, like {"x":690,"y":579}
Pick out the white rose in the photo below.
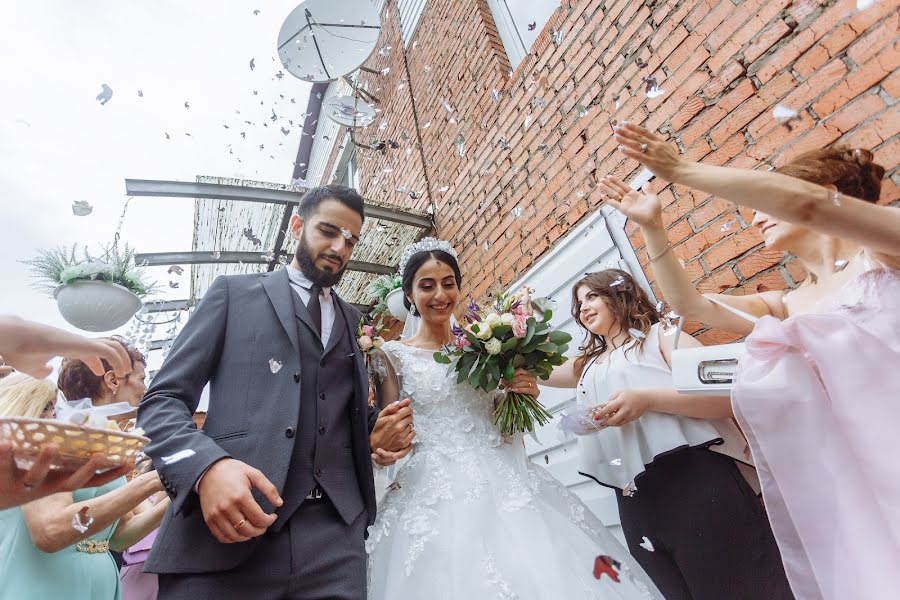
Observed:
{"x":377,"y":343}
{"x":507,"y":318}
{"x":493,"y":319}
{"x":493,"y":346}
{"x":365,"y":343}
{"x":484,"y":331}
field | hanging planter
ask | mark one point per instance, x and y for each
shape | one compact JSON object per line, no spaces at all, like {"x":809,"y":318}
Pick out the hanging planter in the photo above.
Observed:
{"x":387,"y":292}
{"x":394,"y":302}
{"x":93,"y":294}
{"x":96,"y":305}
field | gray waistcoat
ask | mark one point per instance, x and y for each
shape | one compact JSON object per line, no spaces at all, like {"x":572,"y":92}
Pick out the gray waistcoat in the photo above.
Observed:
{"x":323,"y":451}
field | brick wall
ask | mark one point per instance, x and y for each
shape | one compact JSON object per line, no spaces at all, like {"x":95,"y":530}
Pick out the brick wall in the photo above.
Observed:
{"x":531,"y":159}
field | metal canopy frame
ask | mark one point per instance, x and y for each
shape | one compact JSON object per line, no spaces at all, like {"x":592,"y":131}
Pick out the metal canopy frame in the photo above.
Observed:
{"x":288,"y":199}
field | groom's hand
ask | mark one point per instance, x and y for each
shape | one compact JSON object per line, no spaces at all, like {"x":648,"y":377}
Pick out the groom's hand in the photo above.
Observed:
{"x":391,"y":438}
{"x":229,"y":509}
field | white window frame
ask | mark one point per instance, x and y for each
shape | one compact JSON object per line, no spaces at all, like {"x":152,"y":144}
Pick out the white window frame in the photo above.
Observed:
{"x":409,"y":11}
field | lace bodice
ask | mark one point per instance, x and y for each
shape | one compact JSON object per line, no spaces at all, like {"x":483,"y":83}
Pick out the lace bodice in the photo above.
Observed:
{"x":449,"y":417}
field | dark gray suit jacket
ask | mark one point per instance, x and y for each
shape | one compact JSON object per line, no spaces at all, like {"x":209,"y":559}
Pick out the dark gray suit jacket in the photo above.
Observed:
{"x":241,"y":323}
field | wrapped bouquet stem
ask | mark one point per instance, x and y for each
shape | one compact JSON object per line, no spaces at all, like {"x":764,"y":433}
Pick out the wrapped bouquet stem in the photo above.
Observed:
{"x":514,"y":334}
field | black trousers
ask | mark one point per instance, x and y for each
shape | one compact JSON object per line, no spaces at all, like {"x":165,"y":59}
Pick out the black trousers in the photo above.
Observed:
{"x":711,"y":537}
{"x":315,"y":556}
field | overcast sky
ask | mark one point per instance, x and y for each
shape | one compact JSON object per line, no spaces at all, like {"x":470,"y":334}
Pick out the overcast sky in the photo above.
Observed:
{"x":58,"y":144}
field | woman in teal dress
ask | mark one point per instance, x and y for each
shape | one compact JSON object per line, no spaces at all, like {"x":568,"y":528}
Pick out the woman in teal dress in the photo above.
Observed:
{"x":42,"y":554}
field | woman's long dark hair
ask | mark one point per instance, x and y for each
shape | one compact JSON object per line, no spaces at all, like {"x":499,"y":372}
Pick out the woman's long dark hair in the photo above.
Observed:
{"x":626,"y":300}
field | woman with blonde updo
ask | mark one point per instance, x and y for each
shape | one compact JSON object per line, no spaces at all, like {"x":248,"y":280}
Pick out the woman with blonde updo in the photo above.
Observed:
{"x":816,"y":392}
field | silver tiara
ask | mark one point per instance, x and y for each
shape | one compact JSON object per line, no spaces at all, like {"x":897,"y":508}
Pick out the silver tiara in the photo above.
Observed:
{"x":425,"y":245}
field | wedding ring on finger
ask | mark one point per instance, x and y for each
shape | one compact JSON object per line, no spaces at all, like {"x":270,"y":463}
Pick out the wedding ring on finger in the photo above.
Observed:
{"x":240,"y":523}
{"x":644,"y":147}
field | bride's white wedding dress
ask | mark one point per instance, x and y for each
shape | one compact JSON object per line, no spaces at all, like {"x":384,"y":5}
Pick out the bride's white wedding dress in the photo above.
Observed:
{"x":469,"y":516}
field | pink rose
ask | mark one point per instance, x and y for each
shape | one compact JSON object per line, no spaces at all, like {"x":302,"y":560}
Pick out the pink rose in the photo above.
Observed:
{"x":365,"y":343}
{"x":520,"y":326}
{"x":368,"y":330}
{"x":462,"y":342}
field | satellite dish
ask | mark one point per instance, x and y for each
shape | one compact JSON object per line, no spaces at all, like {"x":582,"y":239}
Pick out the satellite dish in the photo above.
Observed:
{"x":322,"y":40}
{"x":349,"y":111}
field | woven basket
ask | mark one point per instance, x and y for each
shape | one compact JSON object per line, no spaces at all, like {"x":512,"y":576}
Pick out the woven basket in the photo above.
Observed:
{"x":76,"y":443}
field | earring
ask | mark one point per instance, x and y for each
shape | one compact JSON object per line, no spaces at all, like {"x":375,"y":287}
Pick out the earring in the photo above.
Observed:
{"x":115,"y":393}
{"x":412,"y":309}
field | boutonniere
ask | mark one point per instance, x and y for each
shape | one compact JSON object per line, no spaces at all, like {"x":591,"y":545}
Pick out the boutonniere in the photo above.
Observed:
{"x":368,"y":337}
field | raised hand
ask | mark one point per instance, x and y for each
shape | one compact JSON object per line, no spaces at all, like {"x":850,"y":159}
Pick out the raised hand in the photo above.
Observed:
{"x":651,"y":150}
{"x":28,"y":347}
{"x":643,"y":209}
{"x":229,"y":509}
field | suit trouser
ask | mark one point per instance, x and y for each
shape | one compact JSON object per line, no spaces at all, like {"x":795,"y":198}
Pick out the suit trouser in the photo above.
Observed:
{"x":315,"y":556}
{"x":711,"y":537}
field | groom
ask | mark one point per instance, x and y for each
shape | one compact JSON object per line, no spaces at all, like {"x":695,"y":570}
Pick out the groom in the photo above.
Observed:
{"x":272,"y":499}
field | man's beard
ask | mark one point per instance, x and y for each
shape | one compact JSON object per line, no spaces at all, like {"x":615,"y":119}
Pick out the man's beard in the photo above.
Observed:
{"x":313,"y":273}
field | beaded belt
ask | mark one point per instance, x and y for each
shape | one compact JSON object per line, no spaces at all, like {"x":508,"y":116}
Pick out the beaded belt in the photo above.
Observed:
{"x":92,"y":546}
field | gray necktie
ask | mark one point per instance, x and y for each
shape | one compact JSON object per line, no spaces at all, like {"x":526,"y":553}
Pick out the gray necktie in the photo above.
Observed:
{"x":315,"y":307}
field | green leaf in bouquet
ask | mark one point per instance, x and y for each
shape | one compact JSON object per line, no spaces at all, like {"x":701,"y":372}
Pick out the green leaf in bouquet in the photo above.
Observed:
{"x":548,"y":347}
{"x":509,"y":344}
{"x":472,"y":339}
{"x":500,"y":331}
{"x":530,"y":332}
{"x":475,"y":365}
{"x":560,"y":337}
{"x":442,"y":358}
{"x":494,"y":369}
{"x":509,"y":372}
{"x":548,"y":314}
{"x":518,"y":361}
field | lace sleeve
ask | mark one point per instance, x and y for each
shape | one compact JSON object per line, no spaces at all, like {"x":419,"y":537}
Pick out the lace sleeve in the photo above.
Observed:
{"x":387,"y":384}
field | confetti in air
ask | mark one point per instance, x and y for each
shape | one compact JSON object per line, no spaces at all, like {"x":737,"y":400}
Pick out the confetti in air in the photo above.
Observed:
{"x":785,"y":116}
{"x":646,"y":544}
{"x":173,"y":284}
{"x":636,"y":333}
{"x":495,"y":95}
{"x":81,"y":520}
{"x":178,"y":456}
{"x":252,"y":64}
{"x":80,"y":208}
{"x":618,"y":281}
{"x":176,"y":269}
{"x":651,"y":88}
{"x":532,"y":26}
{"x":105,"y":94}
{"x":274,"y":365}
{"x":557,"y":37}
{"x":727,"y":225}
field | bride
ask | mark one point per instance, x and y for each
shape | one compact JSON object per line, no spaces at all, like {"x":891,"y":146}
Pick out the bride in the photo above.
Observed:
{"x":468,"y":515}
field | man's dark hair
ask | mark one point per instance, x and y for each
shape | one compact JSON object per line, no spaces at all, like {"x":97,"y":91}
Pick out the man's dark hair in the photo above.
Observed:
{"x":309,"y":203}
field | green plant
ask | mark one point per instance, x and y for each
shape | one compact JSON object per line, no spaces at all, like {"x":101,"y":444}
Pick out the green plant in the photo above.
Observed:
{"x":380,"y":288}
{"x":64,"y":265}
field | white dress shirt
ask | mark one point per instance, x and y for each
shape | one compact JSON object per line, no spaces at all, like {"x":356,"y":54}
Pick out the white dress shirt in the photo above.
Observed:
{"x":301,"y":284}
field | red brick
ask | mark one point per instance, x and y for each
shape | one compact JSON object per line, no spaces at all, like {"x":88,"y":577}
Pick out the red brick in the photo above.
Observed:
{"x":731,"y":248}
{"x":759,"y":261}
{"x":767,"y":38}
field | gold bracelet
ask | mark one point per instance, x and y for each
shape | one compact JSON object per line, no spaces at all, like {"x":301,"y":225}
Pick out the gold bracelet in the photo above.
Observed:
{"x":658,"y":256}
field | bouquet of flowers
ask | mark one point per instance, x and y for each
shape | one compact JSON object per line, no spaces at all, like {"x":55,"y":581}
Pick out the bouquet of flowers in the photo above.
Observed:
{"x":515,"y":333}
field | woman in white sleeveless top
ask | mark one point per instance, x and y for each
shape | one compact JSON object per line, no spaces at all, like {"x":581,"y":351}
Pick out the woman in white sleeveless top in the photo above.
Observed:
{"x":690,"y":517}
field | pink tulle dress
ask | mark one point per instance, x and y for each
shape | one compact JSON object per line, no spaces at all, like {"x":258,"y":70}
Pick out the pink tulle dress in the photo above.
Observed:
{"x":818,"y":397}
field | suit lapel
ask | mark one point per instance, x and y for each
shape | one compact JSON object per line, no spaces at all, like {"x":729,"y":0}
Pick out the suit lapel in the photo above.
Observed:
{"x":278,"y":288}
{"x":337,"y":330}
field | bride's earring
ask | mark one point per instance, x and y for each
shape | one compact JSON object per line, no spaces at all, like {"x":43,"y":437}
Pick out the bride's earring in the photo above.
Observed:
{"x":412,"y":309}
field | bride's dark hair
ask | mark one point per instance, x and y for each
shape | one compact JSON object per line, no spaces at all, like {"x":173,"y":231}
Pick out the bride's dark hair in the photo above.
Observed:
{"x":416,"y":262}
{"x":626,"y":300}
